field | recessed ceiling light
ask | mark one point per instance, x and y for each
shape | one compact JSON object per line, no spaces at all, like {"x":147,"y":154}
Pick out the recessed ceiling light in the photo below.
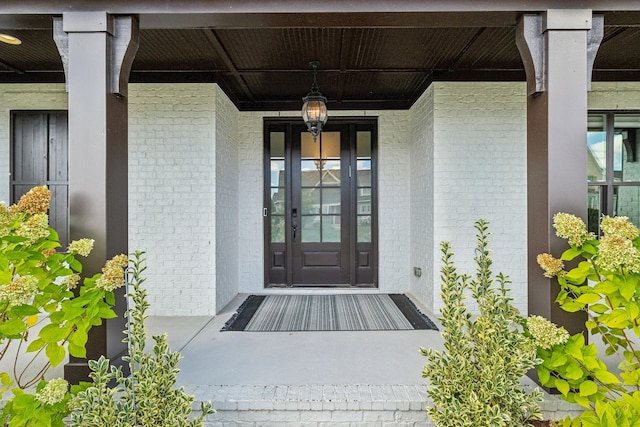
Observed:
{"x":6,"y":38}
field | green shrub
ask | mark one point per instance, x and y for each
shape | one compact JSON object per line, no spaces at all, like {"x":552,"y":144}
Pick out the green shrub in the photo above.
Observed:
{"x":147,"y":398}
{"x":475,"y":380}
{"x":605,"y":284}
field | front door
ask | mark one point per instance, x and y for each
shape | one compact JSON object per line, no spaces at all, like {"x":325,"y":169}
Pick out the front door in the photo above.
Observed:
{"x":320,"y":219}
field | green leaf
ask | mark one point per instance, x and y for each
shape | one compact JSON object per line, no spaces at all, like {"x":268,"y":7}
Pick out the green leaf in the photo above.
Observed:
{"x":572,"y":306}
{"x":606,"y":377}
{"x":562,"y":386}
{"x":543,"y":375}
{"x":627,"y":289}
{"x":599,"y":308}
{"x":77,"y":350}
{"x":570,"y":254}
{"x":12,"y":327}
{"x":55,"y":353}
{"x":588,"y":298}
{"x":22,"y":311}
{"x":36,"y":345}
{"x":53,"y":333}
{"x":606,"y":287}
{"x":588,"y":388}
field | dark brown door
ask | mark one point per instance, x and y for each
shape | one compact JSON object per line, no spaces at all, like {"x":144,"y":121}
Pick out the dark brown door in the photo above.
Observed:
{"x":321,"y":217}
{"x":39,"y":156}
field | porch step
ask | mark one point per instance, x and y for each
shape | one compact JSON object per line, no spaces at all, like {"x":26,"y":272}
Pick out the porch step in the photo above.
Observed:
{"x":332,"y":405}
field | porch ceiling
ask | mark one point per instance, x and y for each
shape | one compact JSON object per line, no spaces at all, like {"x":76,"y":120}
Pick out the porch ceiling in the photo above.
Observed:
{"x":368,"y":60}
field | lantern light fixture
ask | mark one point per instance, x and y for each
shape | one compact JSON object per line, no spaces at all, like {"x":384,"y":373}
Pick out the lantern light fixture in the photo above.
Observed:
{"x":314,"y":109}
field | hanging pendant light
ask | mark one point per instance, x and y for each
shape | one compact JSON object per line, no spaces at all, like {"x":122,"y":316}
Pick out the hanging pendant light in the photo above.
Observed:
{"x":314,"y":109}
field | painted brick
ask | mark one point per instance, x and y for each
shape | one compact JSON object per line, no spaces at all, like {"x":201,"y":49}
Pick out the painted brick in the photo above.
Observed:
{"x":195,"y":184}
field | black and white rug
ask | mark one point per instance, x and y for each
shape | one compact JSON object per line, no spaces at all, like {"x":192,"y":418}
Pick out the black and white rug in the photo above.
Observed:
{"x":359,"y":312}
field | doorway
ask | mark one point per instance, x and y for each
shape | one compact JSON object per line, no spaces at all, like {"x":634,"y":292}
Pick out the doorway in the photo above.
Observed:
{"x":320,"y":215}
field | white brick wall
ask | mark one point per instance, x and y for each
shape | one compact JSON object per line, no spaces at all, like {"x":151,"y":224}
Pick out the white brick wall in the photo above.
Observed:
{"x":422,"y":214}
{"x":480,"y":172}
{"x":227,"y":203}
{"x":172,"y":199}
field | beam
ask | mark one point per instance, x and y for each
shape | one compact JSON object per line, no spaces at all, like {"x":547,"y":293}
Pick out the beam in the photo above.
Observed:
{"x":294,"y":6}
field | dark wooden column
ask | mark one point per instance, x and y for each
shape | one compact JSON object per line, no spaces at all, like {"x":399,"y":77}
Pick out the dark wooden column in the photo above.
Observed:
{"x":558,"y":49}
{"x":97,"y":50}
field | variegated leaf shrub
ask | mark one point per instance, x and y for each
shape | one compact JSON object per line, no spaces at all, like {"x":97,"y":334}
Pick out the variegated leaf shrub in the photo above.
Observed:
{"x":146,"y":398}
{"x":476,"y":379}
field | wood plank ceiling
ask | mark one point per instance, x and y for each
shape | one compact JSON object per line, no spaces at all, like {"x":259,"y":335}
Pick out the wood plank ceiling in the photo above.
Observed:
{"x":361,"y":67}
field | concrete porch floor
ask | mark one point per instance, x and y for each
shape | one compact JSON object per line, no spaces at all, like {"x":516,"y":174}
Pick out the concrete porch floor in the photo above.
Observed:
{"x":307,"y":378}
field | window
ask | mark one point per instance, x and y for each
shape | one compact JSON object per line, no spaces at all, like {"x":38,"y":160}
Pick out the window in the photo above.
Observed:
{"x":613,"y":169}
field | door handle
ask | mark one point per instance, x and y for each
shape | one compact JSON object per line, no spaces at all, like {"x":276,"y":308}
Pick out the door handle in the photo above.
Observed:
{"x":294,"y":222}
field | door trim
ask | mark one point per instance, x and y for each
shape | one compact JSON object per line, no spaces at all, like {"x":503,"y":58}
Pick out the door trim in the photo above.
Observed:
{"x":283,"y":277}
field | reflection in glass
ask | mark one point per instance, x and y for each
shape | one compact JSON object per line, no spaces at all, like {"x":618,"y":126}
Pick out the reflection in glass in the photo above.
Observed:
{"x":364,"y":173}
{"x":310,"y":231}
{"x":364,"y":229}
{"x":277,"y":173}
{"x":309,"y":149}
{"x":593,"y":209}
{"x":626,"y":202}
{"x":363,"y":144}
{"x":310,"y":201}
{"x":330,"y":145}
{"x":277,"y":229}
{"x":331,"y":172}
{"x":277,"y":201}
{"x":277,"y":144}
{"x":310,"y":175}
{"x":330,"y":228}
{"x":330,"y":200}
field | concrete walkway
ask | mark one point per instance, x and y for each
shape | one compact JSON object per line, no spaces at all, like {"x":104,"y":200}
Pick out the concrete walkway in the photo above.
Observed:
{"x":306,"y":378}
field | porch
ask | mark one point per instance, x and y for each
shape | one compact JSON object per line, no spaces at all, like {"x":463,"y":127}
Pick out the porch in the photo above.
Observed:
{"x":341,"y":378}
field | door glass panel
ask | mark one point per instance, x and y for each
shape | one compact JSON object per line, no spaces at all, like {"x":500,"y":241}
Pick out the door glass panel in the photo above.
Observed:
{"x":309,"y":148}
{"x":330,"y":143}
{"x":363,"y":144}
{"x":277,"y":144}
{"x":330,"y":200}
{"x":277,"y":173}
{"x":277,"y":201}
{"x":331,"y":173}
{"x":310,"y":229}
{"x":364,"y":173}
{"x":277,"y":229}
{"x":364,"y":228}
{"x":330,"y":228}
{"x":310,"y":200}
{"x":310,"y":174}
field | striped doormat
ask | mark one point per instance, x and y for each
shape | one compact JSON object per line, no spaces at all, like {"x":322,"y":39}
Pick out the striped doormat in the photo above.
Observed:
{"x":361,"y":312}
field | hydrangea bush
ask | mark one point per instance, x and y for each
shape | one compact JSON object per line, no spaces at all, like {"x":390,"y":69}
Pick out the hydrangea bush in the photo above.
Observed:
{"x":605,"y":284}
{"x":46,"y":310}
{"x":475,"y":380}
